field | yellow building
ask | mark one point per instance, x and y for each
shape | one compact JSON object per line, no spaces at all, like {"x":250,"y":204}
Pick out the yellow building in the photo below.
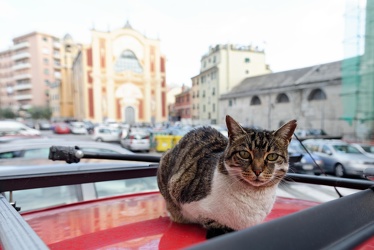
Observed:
{"x":120,"y":76}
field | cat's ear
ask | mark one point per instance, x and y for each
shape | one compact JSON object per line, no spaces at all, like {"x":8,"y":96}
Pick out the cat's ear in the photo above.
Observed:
{"x":233,"y":127}
{"x":286,"y":131}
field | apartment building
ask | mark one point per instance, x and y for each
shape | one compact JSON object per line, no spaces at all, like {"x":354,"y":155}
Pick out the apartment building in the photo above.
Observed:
{"x":7,"y":99}
{"x":222,"y":68}
{"x":121,"y":76}
{"x":36,"y":60}
{"x":195,"y":100}
{"x":182,"y":106}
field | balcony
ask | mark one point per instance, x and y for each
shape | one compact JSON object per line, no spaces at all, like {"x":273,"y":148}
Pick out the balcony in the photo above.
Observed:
{"x":23,"y":86}
{"x":57,"y":75}
{"x":22,"y":76}
{"x":20,"y":56}
{"x":21,"y":46}
{"x":21,"y":66}
{"x":57,"y":65}
{"x":23,"y":97}
{"x":56,"y":55}
{"x":57,"y":45}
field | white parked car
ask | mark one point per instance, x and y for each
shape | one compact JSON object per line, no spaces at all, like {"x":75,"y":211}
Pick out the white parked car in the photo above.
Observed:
{"x":106,"y":134}
{"x":14,"y":127}
{"x":136,"y":141}
{"x":78,"y":128}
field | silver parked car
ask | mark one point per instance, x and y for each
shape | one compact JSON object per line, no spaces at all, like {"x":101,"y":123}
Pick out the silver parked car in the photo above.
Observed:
{"x":339,"y":158}
{"x":366,"y":149}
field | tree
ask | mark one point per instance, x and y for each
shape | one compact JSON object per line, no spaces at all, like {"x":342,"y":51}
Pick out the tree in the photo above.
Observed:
{"x":7,"y":113}
{"x":40,"y":113}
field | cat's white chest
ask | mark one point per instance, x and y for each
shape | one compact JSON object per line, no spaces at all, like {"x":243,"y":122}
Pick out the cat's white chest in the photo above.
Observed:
{"x":231,"y":203}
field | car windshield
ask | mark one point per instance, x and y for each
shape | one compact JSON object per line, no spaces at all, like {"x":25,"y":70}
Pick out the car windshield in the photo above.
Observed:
{"x":139,"y":136}
{"x":296,"y":147}
{"x":346,"y":149}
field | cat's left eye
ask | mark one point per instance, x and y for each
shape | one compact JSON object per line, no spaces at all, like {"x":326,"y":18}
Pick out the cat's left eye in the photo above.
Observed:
{"x":244,"y":154}
{"x":272,"y":157}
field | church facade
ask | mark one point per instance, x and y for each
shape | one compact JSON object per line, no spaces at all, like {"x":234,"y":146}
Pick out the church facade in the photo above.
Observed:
{"x":120,"y":76}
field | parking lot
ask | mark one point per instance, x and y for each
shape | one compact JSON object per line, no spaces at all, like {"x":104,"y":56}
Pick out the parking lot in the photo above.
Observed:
{"x":73,"y":137}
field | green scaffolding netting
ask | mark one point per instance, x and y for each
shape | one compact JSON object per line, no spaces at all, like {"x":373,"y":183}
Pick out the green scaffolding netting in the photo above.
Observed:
{"x":358,"y":65}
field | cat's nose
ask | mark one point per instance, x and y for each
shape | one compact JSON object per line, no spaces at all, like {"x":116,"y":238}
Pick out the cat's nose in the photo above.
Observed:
{"x":257,"y":171}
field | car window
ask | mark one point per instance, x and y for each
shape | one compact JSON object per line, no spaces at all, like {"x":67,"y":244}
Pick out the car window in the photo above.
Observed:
{"x":346,"y":149}
{"x":99,"y":150}
{"x":11,"y":154}
{"x":36,"y":153}
{"x":120,"y":187}
{"x":369,"y":149}
{"x":45,"y":197}
{"x":326,"y":149}
{"x":312,"y":147}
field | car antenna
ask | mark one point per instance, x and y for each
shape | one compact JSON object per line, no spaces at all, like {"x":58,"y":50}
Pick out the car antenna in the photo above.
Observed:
{"x":314,"y":161}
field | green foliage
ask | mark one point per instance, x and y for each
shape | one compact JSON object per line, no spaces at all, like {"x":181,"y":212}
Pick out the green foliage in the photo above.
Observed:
{"x":7,"y":113}
{"x":40,"y":113}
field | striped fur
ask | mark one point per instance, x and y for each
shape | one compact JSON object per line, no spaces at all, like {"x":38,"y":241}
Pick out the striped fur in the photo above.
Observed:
{"x":224,"y":183}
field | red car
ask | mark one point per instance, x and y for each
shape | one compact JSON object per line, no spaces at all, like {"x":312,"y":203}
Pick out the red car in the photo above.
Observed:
{"x":61,"y":128}
{"x":139,"y":219}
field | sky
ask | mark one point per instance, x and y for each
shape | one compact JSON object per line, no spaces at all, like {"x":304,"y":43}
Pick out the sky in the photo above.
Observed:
{"x":294,"y":33}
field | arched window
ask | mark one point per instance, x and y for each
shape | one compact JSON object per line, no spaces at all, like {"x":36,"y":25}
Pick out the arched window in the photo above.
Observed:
{"x":282,"y":98}
{"x":127,"y":61}
{"x":255,"y":101}
{"x":317,"y":94}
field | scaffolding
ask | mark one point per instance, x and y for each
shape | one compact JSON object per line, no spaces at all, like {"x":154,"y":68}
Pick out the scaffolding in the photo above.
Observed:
{"x":358,"y":68}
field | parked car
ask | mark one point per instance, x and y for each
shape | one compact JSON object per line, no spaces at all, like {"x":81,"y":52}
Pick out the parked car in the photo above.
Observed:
{"x":366,"y":149}
{"x":17,"y":137}
{"x":43,"y":125}
{"x":339,"y":157}
{"x":14,"y":127}
{"x":40,"y":148}
{"x":61,"y":128}
{"x":310,"y":163}
{"x":106,"y":134}
{"x":93,"y":206}
{"x":89,"y":126}
{"x":78,"y":128}
{"x":137,"y":140}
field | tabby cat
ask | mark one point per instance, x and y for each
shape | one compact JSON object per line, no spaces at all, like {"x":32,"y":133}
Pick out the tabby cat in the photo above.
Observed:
{"x":224,"y":184}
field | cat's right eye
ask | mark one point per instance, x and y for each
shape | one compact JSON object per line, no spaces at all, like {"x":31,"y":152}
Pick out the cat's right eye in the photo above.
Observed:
{"x":244,"y":154}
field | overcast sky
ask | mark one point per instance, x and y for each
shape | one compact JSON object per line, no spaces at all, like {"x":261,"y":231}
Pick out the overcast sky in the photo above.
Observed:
{"x":294,"y":33}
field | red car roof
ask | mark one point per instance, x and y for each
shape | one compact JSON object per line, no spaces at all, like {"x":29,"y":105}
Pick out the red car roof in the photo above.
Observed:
{"x":131,"y":221}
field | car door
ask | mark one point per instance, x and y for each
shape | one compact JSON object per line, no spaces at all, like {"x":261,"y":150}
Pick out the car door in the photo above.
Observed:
{"x":326,"y":154}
